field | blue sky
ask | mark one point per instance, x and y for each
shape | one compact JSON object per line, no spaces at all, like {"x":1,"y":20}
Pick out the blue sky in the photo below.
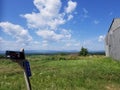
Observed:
{"x":55,"y":24}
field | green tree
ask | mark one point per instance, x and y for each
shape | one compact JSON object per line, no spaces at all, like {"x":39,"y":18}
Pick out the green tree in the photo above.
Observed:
{"x":83,"y":51}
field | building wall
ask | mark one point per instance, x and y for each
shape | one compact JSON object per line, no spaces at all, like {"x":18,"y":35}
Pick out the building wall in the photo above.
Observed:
{"x":107,"y":46}
{"x":107,"y":51}
{"x":114,"y":44}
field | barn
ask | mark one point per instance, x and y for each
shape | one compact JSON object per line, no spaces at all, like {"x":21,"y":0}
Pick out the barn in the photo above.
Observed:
{"x":113,"y":40}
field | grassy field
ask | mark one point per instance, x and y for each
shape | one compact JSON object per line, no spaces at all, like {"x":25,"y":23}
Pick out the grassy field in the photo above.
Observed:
{"x":62,"y":73}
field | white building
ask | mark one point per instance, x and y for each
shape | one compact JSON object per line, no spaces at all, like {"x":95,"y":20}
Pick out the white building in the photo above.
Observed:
{"x":113,"y":40}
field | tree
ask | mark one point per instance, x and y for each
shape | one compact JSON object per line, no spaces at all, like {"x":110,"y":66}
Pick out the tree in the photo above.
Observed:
{"x":83,"y":51}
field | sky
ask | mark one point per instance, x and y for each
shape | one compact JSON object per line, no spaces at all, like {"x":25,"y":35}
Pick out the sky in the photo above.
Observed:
{"x":56,"y":24}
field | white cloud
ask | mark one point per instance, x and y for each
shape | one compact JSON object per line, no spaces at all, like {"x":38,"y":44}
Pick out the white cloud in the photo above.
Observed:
{"x":48,"y":8}
{"x":51,"y":35}
{"x":13,"y":45}
{"x":66,"y":33}
{"x":85,"y":13}
{"x":48,"y":15}
{"x":48,"y":19}
{"x":16,"y":31}
{"x":36,"y":42}
{"x":93,"y":45}
{"x":1,"y":39}
{"x":85,"y":10}
{"x":44,"y":43}
{"x":77,"y":44}
{"x":96,"y":22}
{"x":71,"y":44}
{"x":70,"y":17}
{"x":101,"y":38}
{"x":45,"y":21}
{"x":71,"y":6}
{"x":9,"y":45}
{"x":36,"y":20}
{"x":68,"y":44}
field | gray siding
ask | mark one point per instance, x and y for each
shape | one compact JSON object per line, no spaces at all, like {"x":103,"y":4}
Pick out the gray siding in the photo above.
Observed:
{"x":113,"y":45}
{"x":113,"y":40}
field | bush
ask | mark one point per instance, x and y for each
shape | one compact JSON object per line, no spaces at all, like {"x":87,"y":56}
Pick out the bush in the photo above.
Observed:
{"x":83,"y":51}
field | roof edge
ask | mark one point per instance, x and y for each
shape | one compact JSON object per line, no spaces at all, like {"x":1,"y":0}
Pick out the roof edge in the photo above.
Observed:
{"x":112,"y":23}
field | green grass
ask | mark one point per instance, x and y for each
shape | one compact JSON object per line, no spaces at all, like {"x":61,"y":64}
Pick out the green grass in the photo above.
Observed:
{"x":63,"y":73}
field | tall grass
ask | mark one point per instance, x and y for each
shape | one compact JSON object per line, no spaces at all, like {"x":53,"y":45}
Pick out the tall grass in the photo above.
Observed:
{"x":59,"y":72}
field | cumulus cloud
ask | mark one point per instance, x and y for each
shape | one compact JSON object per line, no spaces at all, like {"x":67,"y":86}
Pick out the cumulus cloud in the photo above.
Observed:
{"x":71,"y":6}
{"x":1,"y":39}
{"x":101,"y":38}
{"x":45,"y":22}
{"x":66,"y":33}
{"x":8,"y":45}
{"x":77,"y":44}
{"x":68,"y":44}
{"x":48,"y":15}
{"x":92,"y":44}
{"x":51,"y":35}
{"x":49,"y":18}
{"x":96,"y":22}
{"x":12,"y":45}
{"x":48,"y":8}
{"x":44,"y":43}
{"x":16,"y":31}
{"x":73,"y":44}
{"x":70,"y":17}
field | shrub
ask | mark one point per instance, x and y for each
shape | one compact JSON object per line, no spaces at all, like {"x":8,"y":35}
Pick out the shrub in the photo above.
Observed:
{"x":83,"y":51}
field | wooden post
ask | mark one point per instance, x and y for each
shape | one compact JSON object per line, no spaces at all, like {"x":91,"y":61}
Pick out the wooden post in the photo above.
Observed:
{"x":19,"y":57}
{"x":27,"y":80}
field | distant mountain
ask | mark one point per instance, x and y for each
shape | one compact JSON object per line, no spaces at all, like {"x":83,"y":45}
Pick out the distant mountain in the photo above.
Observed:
{"x":100,"y":52}
{"x":55,"y":52}
{"x":2,"y":52}
{"x":48,"y":51}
